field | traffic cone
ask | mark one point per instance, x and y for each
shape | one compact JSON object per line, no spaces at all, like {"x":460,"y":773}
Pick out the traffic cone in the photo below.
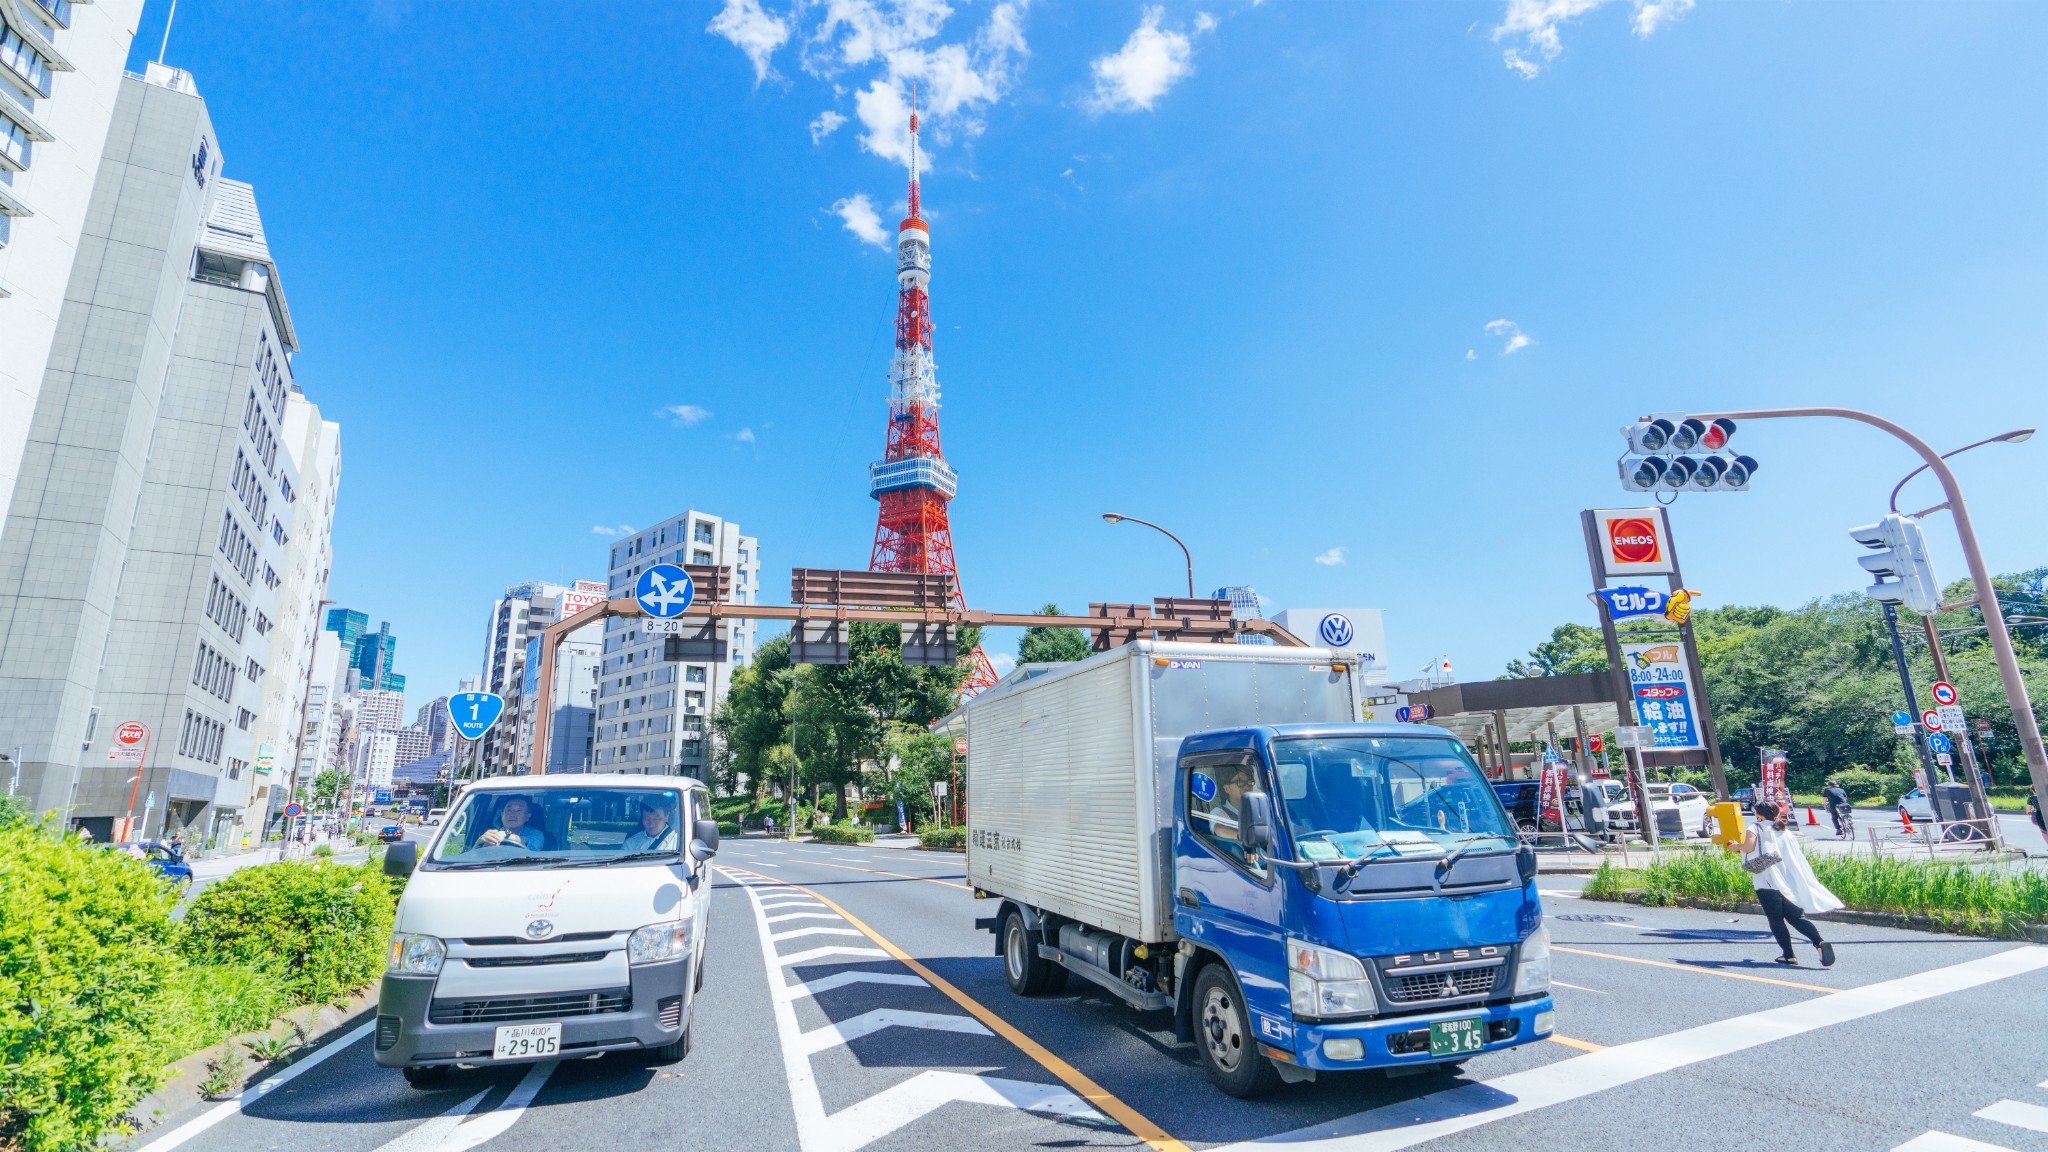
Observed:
{"x":1810,"y":821}
{"x":1908,"y":821}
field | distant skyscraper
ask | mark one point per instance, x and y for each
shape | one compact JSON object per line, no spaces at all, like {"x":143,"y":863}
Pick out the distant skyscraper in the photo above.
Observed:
{"x":1244,"y":605}
{"x":371,"y":654}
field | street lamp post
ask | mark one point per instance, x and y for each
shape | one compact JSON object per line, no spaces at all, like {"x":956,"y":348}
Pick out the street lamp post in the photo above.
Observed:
{"x":1980,"y":576}
{"x":1114,"y":518}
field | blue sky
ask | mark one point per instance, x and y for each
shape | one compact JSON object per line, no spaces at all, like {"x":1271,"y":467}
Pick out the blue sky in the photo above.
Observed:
{"x":1352,"y":296}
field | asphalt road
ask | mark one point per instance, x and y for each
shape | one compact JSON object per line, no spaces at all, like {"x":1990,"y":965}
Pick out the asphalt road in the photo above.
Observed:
{"x":850,"y":1004}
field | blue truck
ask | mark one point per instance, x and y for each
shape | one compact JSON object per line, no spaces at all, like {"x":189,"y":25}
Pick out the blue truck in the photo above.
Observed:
{"x":1207,"y":830}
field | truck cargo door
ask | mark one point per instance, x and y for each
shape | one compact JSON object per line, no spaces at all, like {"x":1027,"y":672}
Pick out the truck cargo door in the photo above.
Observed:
{"x":1226,"y":897}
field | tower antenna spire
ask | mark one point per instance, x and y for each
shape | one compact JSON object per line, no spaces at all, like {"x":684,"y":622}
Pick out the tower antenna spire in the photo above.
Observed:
{"x":913,"y":149}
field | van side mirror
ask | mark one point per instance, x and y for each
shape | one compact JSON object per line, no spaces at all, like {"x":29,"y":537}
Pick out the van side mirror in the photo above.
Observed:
{"x":704,"y":839}
{"x":401,"y":858}
{"x":1257,"y":833}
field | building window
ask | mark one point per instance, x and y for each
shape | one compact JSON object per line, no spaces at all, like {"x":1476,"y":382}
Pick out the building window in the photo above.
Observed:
{"x":701,"y":533}
{"x":695,"y":675}
{"x":700,"y":556}
{"x":13,"y":141}
{"x":24,"y":61}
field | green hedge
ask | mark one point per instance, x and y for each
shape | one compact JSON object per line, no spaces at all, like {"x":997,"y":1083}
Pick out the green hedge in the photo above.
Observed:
{"x":323,"y":929}
{"x":1862,"y":785}
{"x":87,"y":952}
{"x":842,"y":834}
{"x":933,"y":836}
{"x":728,"y":828}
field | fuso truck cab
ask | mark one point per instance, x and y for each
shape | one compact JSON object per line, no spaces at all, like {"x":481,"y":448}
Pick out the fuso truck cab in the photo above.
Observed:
{"x":550,"y":917}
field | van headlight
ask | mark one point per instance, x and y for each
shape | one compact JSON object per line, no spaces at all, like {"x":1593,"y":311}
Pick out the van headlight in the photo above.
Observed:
{"x":1532,"y":970}
{"x":1322,"y":982}
{"x":658,"y":942}
{"x":414,"y":954}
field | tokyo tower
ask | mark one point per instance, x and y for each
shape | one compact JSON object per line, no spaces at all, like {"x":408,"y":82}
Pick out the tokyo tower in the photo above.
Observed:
{"x":912,"y":480}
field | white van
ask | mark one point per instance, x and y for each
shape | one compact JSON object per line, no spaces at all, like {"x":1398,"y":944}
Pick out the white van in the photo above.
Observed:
{"x":550,"y":917}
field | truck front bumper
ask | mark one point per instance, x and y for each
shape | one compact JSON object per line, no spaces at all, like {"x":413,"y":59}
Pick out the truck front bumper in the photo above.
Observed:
{"x":1398,"y":1040}
{"x":658,"y":1013}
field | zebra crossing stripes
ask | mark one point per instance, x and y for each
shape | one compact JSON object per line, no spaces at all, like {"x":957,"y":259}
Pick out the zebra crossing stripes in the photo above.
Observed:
{"x":2016,"y":1113}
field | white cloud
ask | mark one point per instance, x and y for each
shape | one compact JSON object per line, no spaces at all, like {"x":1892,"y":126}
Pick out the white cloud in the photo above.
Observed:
{"x":1150,"y":63}
{"x":1511,"y":332}
{"x":1003,"y":662}
{"x":1536,"y":23}
{"x":754,"y":31}
{"x":606,"y":530}
{"x":826,"y":124}
{"x":1332,"y":558}
{"x":684,"y":415}
{"x":857,"y":213}
{"x":1471,"y":354}
{"x":743,"y":436}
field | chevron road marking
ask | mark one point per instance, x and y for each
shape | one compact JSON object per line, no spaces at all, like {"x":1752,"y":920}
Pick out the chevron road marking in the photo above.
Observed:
{"x":795,"y":933}
{"x":820,"y":953}
{"x":842,"y":979}
{"x":868,"y":1023}
{"x":803,"y":916}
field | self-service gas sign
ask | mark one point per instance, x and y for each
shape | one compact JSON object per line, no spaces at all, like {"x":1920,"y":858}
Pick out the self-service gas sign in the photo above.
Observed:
{"x":1632,"y":541}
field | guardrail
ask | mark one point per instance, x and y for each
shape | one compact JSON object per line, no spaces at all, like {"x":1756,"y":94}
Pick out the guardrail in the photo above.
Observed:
{"x":1975,"y":835}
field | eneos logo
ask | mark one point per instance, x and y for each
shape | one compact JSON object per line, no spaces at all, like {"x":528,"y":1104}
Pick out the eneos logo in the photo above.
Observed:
{"x":1633,"y":540}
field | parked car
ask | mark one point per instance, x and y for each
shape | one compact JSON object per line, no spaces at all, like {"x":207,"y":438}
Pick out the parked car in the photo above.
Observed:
{"x":391,"y":833}
{"x":165,"y":861}
{"x":1745,"y":797}
{"x":435,"y":817}
{"x":1680,"y":810}
{"x":1916,"y":805}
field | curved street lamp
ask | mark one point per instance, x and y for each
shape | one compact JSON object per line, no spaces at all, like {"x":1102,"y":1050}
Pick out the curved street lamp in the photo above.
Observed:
{"x":1114,"y":518}
{"x":2016,"y":436}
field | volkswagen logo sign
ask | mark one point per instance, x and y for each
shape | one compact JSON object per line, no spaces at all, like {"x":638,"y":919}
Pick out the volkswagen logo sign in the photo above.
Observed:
{"x":1335,"y":629}
{"x":540,"y":928}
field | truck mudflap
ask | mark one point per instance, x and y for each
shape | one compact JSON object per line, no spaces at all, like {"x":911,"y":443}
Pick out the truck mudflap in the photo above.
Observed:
{"x":1393,"y":1042}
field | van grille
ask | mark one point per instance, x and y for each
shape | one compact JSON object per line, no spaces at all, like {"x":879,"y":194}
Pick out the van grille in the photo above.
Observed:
{"x":511,"y":941}
{"x":515,"y":1010}
{"x":529,"y":961}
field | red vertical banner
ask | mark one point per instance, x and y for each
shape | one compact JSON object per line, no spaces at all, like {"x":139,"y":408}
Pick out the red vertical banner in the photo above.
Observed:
{"x":1771,"y":779}
{"x":1550,"y":794}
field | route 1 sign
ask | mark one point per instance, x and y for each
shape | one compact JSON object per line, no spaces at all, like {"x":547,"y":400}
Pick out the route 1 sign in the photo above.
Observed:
{"x":473,"y":713}
{"x":1931,"y":720}
{"x":1944,"y":693}
{"x":664,"y":591}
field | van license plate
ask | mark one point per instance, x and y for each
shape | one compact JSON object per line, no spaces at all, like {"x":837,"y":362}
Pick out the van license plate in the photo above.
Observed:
{"x":1450,"y":1037}
{"x":525,"y":1041}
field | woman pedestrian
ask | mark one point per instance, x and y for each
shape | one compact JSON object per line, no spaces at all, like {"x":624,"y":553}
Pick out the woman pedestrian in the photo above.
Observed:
{"x":1785,"y":883}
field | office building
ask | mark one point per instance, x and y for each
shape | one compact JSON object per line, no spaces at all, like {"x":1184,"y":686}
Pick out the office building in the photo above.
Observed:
{"x":517,"y":620}
{"x":1244,"y":605}
{"x":153,"y":518}
{"x":433,"y":717}
{"x":60,"y":76}
{"x":653,"y":706}
{"x":572,"y":728}
{"x":414,"y":743}
{"x":370,"y":654}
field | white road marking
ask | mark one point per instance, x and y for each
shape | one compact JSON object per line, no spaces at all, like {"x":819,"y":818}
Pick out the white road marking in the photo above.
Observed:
{"x":885,"y":1112}
{"x":815,"y":930}
{"x":1558,"y":892}
{"x":1947,"y":1142}
{"x":820,"y":953}
{"x":806,"y":916}
{"x":1469,"y":1106}
{"x":428,"y":1136}
{"x":2032,"y":1117}
{"x":227,"y":1108}
{"x":826,"y":984}
{"x":1576,"y":987}
{"x":867,"y":1023}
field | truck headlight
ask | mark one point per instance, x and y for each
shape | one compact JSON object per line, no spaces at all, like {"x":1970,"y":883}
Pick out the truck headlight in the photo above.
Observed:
{"x":1323,"y":983}
{"x":414,"y":954}
{"x":658,"y":942}
{"x":1532,"y":970}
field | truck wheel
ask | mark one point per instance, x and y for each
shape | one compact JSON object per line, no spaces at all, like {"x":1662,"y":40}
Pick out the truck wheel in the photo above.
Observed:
{"x":1223,"y":1028}
{"x":426,"y":1076}
{"x":672,"y":1051}
{"x":1029,"y":973}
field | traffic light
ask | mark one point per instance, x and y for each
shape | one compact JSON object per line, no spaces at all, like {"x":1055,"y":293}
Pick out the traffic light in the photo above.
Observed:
{"x":1665,"y":453}
{"x":1903,"y":573}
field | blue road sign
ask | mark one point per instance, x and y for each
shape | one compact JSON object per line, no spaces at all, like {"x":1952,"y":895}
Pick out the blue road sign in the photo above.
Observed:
{"x":664,"y":591}
{"x":1335,"y":629}
{"x":1413,"y":713}
{"x":473,"y":713}
{"x":381,"y":798}
{"x":1938,"y":743}
{"x":1902,"y":719}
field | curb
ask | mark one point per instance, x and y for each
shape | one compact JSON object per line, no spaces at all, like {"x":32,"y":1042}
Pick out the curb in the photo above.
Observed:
{"x":2034,"y":933}
{"x":179,"y":1093}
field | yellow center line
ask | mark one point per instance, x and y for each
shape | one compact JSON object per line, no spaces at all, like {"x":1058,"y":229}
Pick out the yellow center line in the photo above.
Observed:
{"x":898,"y":875}
{"x":1581,"y":1045}
{"x":1697,"y":968}
{"x":1084,"y":1087}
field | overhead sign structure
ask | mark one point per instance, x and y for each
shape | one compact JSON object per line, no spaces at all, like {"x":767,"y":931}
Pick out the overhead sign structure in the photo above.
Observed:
{"x":664,"y":591}
{"x":131,"y":740}
{"x":1664,"y":694}
{"x":1931,"y":720}
{"x":1633,"y":542}
{"x":473,"y":713}
{"x":1944,"y":693}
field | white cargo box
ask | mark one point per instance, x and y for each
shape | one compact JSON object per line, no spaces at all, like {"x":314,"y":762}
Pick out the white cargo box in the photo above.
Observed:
{"x":1070,"y":769}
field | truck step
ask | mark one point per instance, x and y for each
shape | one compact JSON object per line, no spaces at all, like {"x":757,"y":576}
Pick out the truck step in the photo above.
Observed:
{"x":1142,"y":1001}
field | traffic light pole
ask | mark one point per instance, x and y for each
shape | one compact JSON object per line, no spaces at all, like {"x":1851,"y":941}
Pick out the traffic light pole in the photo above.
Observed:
{"x":1962,"y":739}
{"x":1891,"y":626}
{"x":1980,"y":579}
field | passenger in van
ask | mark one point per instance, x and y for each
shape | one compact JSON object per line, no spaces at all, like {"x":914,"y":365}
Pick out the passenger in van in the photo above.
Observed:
{"x":513,"y":829}
{"x":656,"y":832}
{"x":1223,"y":815}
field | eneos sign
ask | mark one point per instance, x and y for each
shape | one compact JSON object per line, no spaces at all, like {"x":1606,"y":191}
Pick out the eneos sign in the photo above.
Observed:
{"x":1632,"y":541}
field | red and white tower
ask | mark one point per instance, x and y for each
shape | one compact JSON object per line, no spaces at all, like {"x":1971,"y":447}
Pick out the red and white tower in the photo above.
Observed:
{"x":912,"y":480}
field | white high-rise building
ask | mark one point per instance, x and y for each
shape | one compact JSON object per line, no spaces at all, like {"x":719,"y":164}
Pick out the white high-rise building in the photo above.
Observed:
{"x":654,"y":707}
{"x":518,"y":618}
{"x":60,"y":74}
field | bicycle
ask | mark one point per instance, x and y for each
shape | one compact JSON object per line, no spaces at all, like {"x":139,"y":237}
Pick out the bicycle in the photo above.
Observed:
{"x":1845,"y":824}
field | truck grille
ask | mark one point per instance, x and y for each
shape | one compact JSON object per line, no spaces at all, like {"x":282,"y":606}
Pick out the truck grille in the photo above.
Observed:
{"x":516,"y":1010}
{"x":1453,"y":984}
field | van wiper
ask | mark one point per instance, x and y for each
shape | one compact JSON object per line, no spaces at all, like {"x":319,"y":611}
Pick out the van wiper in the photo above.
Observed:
{"x":470,"y":865}
{"x":645,"y":854}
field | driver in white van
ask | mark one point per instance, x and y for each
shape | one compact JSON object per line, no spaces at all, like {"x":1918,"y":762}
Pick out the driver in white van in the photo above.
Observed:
{"x":655,"y":833}
{"x":512,"y":828}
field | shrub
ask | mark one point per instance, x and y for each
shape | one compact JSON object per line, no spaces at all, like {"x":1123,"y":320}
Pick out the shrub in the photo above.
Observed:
{"x":207,"y":1003}
{"x":1862,"y":784}
{"x":321,"y":929}
{"x":87,"y":946}
{"x":933,"y":836}
{"x":728,"y":828}
{"x":842,"y":834}
{"x":323,"y":850}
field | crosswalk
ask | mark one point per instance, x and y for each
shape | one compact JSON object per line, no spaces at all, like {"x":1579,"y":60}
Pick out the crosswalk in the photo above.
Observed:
{"x":800,"y":935}
{"x":2019,"y":1114}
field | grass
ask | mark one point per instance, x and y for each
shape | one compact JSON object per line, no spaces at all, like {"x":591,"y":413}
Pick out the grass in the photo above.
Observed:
{"x":1956,"y":897}
{"x":210,"y":1002}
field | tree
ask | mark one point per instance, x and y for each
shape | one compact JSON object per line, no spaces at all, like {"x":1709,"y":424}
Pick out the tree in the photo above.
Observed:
{"x":1571,"y":648}
{"x":328,"y":787}
{"x":1052,"y":645}
{"x":753,"y":719}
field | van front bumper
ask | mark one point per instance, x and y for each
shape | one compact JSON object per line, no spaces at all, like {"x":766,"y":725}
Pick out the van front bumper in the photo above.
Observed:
{"x":1397,"y":1040}
{"x":658,"y":1014}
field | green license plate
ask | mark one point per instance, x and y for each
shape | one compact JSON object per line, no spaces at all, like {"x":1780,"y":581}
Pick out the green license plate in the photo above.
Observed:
{"x":1457,"y":1037}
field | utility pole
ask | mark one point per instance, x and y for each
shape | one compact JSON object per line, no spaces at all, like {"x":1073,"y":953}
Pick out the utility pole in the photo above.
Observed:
{"x":1891,"y":624}
{"x":1961,"y":739}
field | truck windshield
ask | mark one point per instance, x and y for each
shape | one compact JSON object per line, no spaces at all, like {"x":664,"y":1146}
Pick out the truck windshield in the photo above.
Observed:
{"x":502,"y":828}
{"x":1369,"y":796}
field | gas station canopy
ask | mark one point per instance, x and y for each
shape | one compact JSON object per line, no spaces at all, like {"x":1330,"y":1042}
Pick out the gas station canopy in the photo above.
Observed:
{"x":1532,"y":708}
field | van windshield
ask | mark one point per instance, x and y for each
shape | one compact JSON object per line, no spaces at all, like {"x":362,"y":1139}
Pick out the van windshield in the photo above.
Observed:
{"x":1367,"y":797}
{"x":508,"y":828}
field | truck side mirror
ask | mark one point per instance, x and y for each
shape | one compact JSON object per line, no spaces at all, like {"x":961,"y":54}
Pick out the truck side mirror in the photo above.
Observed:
{"x":704,"y":839}
{"x":401,"y":858}
{"x":1257,"y":833}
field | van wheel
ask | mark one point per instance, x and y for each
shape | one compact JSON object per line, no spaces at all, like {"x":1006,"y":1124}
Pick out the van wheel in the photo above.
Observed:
{"x":1029,"y":973}
{"x":697,"y":982}
{"x":426,"y":1076}
{"x":1223,"y":1028}
{"x":673,"y":1051}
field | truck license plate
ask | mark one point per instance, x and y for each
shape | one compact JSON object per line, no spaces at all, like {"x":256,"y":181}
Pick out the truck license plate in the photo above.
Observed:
{"x":525,"y":1041}
{"x":1455,"y":1037}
